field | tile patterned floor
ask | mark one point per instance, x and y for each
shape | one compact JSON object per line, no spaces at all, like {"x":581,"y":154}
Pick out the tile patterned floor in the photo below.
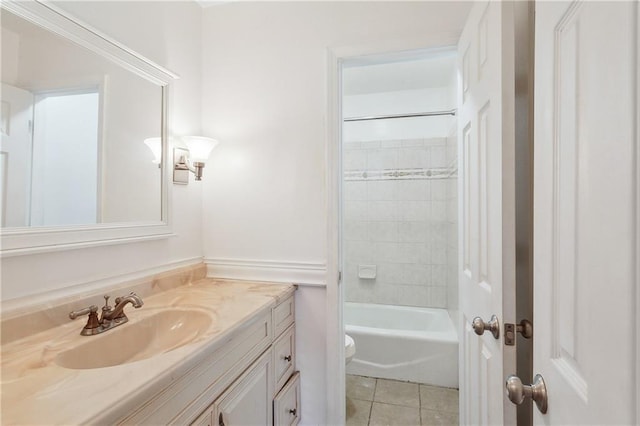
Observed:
{"x":377,"y":402}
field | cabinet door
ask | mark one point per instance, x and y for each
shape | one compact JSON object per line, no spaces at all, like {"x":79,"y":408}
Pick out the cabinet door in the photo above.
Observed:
{"x":286,"y":405}
{"x":248,"y":400}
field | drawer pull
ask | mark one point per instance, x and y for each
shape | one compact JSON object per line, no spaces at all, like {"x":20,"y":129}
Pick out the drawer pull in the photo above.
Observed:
{"x":287,"y":358}
{"x":293,"y":412}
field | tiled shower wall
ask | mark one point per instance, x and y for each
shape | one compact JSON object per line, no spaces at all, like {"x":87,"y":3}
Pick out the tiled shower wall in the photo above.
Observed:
{"x":452,"y":226}
{"x":397,"y":208}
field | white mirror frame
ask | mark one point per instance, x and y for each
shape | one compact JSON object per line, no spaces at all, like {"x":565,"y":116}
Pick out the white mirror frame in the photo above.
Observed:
{"x":21,"y":241}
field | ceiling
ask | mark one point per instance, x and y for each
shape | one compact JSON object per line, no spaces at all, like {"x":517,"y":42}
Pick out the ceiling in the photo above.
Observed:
{"x":396,"y":72}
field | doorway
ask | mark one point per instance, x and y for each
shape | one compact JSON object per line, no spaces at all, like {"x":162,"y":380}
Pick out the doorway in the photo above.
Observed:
{"x":65,"y":160}
{"x":399,"y":236}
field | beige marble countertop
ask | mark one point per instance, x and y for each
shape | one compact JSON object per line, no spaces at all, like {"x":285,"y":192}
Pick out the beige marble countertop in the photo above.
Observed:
{"x":37,"y":391}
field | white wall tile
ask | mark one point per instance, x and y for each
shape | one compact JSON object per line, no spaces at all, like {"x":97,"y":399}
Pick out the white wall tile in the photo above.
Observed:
{"x":355,"y":190}
{"x":413,"y":190}
{"x":351,"y":144}
{"x":438,"y":297}
{"x":389,"y":272}
{"x":382,"y":190}
{"x":355,"y":230}
{"x":439,"y":255}
{"x":355,"y":210}
{"x":385,"y":252}
{"x":354,"y":159}
{"x":438,"y":157}
{"x":383,"y":231}
{"x":439,"y":189}
{"x":415,"y":274}
{"x":414,"y":210}
{"x":382,"y":210}
{"x":409,"y":143}
{"x":358,"y":251}
{"x":438,"y":233}
{"x":390,"y":144}
{"x":439,"y":275}
{"x":435,"y":142}
{"x":412,"y":252}
{"x":413,"y":158}
{"x":381,"y":159}
{"x":411,"y":295}
{"x":438,"y":211}
{"x":413,"y":232}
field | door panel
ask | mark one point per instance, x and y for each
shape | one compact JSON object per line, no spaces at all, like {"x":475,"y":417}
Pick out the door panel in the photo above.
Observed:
{"x":15,"y":154}
{"x":487,"y":216}
{"x":586,"y":217}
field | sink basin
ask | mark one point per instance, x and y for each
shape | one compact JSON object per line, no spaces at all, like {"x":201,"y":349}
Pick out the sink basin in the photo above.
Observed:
{"x":134,"y":341}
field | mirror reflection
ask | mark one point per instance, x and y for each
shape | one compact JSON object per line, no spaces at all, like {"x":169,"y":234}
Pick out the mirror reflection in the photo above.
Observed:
{"x":72,"y":129}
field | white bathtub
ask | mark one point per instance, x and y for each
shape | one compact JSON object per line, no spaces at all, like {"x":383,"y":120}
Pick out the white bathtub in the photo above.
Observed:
{"x":403,"y":343}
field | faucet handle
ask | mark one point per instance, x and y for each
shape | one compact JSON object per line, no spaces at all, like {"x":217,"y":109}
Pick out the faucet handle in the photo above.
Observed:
{"x":90,"y":310}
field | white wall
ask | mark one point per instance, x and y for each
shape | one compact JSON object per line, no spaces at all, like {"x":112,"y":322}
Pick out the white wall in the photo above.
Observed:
{"x":168,"y":33}
{"x":397,"y":102}
{"x":264,"y":97}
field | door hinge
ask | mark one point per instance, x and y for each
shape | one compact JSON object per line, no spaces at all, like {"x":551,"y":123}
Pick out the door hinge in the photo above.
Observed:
{"x":525,"y":328}
{"x":339,"y":277}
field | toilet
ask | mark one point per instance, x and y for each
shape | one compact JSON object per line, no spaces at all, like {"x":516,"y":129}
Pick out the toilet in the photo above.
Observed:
{"x":349,"y":348}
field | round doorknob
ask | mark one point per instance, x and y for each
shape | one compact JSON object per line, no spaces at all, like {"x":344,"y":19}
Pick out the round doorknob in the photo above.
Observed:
{"x":517,"y":392}
{"x":479,"y":326}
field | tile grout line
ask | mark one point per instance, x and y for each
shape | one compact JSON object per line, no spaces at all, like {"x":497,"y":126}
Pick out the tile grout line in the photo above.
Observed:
{"x":420,"y":405}
{"x":375,"y":387}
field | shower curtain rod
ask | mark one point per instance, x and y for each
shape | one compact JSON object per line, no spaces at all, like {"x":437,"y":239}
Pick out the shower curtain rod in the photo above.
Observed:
{"x":409,"y":115}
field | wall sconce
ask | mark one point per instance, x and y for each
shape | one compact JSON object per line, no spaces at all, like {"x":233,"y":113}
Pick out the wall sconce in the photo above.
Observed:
{"x":191,"y":159}
{"x":155,"y":145}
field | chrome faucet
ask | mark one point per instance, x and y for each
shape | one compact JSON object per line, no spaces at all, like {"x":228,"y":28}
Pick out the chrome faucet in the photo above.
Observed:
{"x":110,"y":318}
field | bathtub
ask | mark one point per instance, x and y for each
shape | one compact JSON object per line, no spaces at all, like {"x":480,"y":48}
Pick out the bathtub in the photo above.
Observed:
{"x":403,"y":343}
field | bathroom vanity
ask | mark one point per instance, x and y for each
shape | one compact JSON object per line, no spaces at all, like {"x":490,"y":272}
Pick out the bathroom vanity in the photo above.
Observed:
{"x":209,"y":352}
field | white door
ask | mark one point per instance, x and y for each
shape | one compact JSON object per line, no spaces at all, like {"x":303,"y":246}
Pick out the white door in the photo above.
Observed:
{"x":586,"y":212}
{"x":15,"y":155}
{"x":487,"y":217}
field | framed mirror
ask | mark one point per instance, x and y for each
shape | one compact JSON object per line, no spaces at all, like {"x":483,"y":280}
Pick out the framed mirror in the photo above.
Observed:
{"x":77,"y":108}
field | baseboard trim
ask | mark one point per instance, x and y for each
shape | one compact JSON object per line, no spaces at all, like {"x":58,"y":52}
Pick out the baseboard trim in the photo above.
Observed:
{"x":301,"y":273}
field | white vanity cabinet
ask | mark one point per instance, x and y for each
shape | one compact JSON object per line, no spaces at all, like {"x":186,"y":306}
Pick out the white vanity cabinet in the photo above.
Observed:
{"x":238,"y":381}
{"x":252,"y":397}
{"x":247,"y":401}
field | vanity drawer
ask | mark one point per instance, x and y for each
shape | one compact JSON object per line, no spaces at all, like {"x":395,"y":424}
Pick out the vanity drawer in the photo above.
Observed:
{"x":286,"y":405}
{"x":284,"y":357}
{"x":283,"y":316}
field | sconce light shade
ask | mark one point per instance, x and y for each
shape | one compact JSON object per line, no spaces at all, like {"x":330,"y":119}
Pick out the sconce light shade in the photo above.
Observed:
{"x":192,"y":159}
{"x":155,"y":145}
{"x":199,"y":147}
